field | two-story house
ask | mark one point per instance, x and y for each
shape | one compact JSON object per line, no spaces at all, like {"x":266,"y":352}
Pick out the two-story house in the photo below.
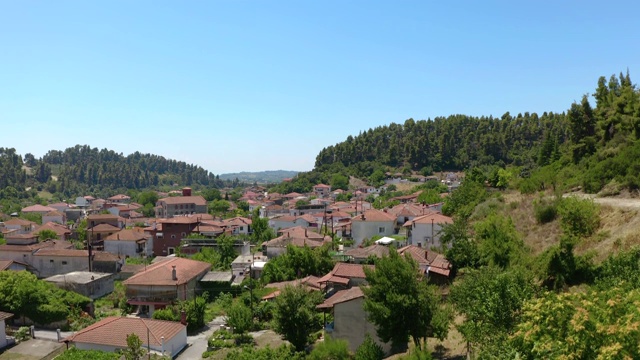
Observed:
{"x":322,"y":190}
{"x":424,"y":230}
{"x":180,"y":205}
{"x":129,"y":243}
{"x":372,"y":223}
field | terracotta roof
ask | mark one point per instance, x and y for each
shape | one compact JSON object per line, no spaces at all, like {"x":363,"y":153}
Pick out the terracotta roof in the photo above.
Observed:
{"x":53,"y":213}
{"x":363,"y":253}
{"x":292,"y":195}
{"x":11,"y":235}
{"x":322,"y":186}
{"x":409,"y":210}
{"x":60,"y":230}
{"x":119,"y":197}
{"x":18,"y":221}
{"x":374,"y":215}
{"x":97,"y":255}
{"x":97,"y":217}
{"x":298,"y":236}
{"x":5,"y":315}
{"x":431,"y":260}
{"x":273,"y":295}
{"x":342,"y":296}
{"x":172,"y":200}
{"x":5,"y":264}
{"x":104,"y":228}
{"x":127,"y":235}
{"x":179,"y":220}
{"x":160,"y":273}
{"x":237,"y":221}
{"x":38,"y":208}
{"x":308,"y":218}
{"x":434,"y":217}
{"x":348,"y":271}
{"x":113,"y":331}
{"x":56,"y":244}
{"x":287,"y":218}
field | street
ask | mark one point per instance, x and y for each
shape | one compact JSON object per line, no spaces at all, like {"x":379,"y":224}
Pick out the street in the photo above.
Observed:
{"x":197,"y":344}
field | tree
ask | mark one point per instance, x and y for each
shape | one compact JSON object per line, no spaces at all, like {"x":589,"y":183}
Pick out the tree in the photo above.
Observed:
{"x":212,"y":194}
{"x":148,"y":197}
{"x":47,"y":234}
{"x":339,"y":181}
{"x":261,"y":230}
{"x":499,"y":241}
{"x":369,"y":350}
{"x":219,"y":206}
{"x":226,"y":248}
{"x":398,"y":301}
{"x":298,"y":262}
{"x":430,"y":196}
{"x":490,"y":301}
{"x":239,"y":318}
{"x":294,"y":315}
{"x":578,"y":217}
{"x":134,"y":350}
{"x":460,"y":249}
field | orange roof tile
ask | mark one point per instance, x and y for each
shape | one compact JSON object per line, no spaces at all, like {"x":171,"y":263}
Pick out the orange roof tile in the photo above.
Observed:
{"x":160,"y":273}
{"x":375,"y":215}
{"x":342,"y":296}
{"x":173,"y":200}
{"x":113,"y":331}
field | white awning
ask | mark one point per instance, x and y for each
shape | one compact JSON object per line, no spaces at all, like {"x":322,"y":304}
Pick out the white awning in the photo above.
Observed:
{"x":385,"y":241}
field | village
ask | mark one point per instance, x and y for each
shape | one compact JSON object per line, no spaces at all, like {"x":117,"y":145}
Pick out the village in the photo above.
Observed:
{"x":107,"y":249}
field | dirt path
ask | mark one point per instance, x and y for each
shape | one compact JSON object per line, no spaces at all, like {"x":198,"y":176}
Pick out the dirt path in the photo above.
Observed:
{"x":625,"y":203}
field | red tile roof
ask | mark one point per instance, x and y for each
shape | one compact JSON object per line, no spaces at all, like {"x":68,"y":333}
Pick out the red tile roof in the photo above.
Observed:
{"x":127,"y":235}
{"x":60,"y":230}
{"x":5,"y":315}
{"x":173,"y":200}
{"x":113,"y":331}
{"x":434,"y":217}
{"x":430,"y":260}
{"x":342,"y":296}
{"x":119,"y":197}
{"x":104,"y":228}
{"x":18,"y":221}
{"x":348,"y":271}
{"x":298,"y":236}
{"x":38,"y":208}
{"x":310,"y":282}
{"x":56,"y":244}
{"x":160,"y":273}
{"x":373,"y":250}
{"x":375,"y":215}
{"x":101,"y":217}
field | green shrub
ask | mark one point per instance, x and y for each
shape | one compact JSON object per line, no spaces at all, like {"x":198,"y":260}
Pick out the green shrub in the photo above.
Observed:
{"x":330,"y":349}
{"x":579,"y":217}
{"x":22,"y":334}
{"x":369,"y":350}
{"x":167,"y":313}
{"x":545,"y":210}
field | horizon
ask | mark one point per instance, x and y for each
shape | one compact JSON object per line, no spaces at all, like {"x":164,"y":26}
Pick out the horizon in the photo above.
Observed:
{"x":250,"y":87}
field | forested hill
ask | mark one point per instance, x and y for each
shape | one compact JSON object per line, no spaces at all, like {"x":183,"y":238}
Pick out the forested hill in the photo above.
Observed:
{"x":587,"y":146}
{"x":82,"y":169}
{"x":456,"y":142}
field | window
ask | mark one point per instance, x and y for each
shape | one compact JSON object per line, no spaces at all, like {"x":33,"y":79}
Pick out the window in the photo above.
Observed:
{"x":183,"y":234}
{"x":173,"y":236}
{"x":51,"y":261}
{"x":171,"y":251}
{"x":64,"y":263}
{"x":381,"y":230}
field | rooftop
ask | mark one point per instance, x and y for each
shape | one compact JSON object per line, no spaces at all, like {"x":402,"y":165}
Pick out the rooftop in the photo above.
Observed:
{"x":78,"y":277}
{"x":160,"y":273}
{"x":113,"y":331}
{"x":342,"y":296}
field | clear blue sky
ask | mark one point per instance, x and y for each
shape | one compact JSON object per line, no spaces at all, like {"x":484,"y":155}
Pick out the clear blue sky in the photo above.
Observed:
{"x":256,"y":85}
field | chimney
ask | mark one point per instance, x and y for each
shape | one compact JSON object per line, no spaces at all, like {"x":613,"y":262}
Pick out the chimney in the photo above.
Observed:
{"x":362,"y":217}
{"x":174,"y":274}
{"x":426,"y":255}
{"x":186,"y":191}
{"x":385,"y":209}
{"x":305,"y":232}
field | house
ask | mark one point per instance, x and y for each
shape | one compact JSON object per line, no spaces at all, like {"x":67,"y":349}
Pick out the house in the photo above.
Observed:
{"x":13,"y":238}
{"x":119,"y":199}
{"x":54,"y":216}
{"x":245,"y":264}
{"x":371,"y":223}
{"x":181,"y":205}
{"x":4,"y":340}
{"x":167,"y":233}
{"x":322,"y":190}
{"x":309,"y":282}
{"x":13,"y":265}
{"x":37,"y":209}
{"x":424,"y":230}
{"x":110,"y":334}
{"x":238,"y":225}
{"x":296,"y":236}
{"x":346,"y":275}
{"x":22,"y":226}
{"x":350,"y":319}
{"x":93,"y":285}
{"x":60,"y":206}
{"x":165,"y":282}
{"x":24,"y":252}
{"x":433,"y":265}
{"x":129,"y":243}
{"x":408,"y":211}
{"x":49,"y":262}
{"x":362,"y":255}
{"x":61,"y":231}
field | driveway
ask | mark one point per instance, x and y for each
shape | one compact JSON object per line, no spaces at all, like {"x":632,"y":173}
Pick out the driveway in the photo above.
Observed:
{"x":197,"y":344}
{"x":51,"y":334}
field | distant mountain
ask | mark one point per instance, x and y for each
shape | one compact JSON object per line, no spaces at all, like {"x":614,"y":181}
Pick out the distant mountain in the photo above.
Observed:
{"x":262,"y":177}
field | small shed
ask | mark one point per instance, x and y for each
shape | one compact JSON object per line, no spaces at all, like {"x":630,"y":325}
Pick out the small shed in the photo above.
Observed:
{"x":90,"y":284}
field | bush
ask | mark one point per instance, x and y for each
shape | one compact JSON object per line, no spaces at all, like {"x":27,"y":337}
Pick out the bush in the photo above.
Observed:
{"x":330,"y":349}
{"x":22,"y":334}
{"x":578,"y":217}
{"x":167,"y":313}
{"x":545,"y":210}
{"x":369,"y":350}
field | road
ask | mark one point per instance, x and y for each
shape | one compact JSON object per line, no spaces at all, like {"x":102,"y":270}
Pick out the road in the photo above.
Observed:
{"x":197,"y":344}
{"x":626,"y":203}
{"x":51,"y":334}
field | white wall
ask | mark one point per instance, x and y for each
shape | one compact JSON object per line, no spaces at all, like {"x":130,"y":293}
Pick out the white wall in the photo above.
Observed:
{"x":46,"y":267}
{"x":421,"y":235}
{"x":3,"y":335}
{"x":361,"y":230}
{"x":350,"y":324}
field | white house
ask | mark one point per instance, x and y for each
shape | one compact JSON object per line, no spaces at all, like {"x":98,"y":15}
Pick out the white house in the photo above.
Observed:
{"x":371,"y":223}
{"x":129,"y":243}
{"x":424,"y":231}
{"x":110,"y":334}
{"x":4,"y":341}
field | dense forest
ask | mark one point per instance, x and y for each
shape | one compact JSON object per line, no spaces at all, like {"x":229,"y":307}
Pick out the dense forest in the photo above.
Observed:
{"x":82,"y":169}
{"x":591,"y":147}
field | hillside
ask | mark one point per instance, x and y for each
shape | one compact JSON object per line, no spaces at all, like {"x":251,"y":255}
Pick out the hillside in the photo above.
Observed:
{"x":82,"y":169}
{"x":260,"y":177}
